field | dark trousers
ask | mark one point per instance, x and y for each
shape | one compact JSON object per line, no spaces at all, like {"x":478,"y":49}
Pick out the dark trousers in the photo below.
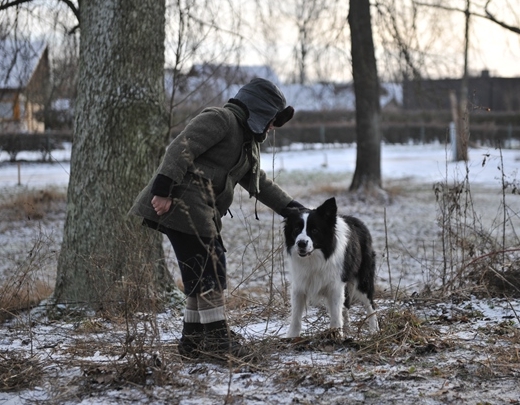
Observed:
{"x":202,"y":262}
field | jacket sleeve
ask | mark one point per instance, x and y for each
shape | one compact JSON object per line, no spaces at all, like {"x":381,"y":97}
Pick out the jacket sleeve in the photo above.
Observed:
{"x":203,"y":132}
{"x":162,"y":185}
{"x":271,"y":194}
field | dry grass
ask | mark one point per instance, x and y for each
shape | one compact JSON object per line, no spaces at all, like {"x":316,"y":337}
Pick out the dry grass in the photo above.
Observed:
{"x":18,"y":372}
{"x":32,"y":204}
{"x":139,"y":356}
{"x":19,"y":294}
{"x":402,"y":332}
{"x":406,"y":348}
{"x":497,"y":281}
{"x":25,"y":284}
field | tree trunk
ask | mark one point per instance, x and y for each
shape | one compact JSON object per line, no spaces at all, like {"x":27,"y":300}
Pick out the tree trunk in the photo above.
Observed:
{"x":462,"y":123}
{"x":367,"y":175}
{"x":119,"y":136}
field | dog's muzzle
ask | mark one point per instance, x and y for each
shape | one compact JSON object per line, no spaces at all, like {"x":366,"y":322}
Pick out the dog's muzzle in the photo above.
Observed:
{"x":303,"y":248}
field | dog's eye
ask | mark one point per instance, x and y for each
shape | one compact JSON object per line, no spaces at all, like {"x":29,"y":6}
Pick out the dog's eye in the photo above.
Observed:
{"x":296,"y":231}
{"x":314,"y":231}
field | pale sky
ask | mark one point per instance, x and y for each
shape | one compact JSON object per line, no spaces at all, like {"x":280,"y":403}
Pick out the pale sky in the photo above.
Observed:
{"x":499,"y":50}
{"x":492,"y":47}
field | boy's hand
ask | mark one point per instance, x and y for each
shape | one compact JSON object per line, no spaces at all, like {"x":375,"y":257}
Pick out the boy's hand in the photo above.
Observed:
{"x":161,"y":205}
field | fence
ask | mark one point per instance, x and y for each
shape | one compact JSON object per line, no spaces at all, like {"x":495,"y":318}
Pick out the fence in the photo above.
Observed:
{"x":328,"y":134}
{"x":396,"y":133}
{"x":14,"y":143}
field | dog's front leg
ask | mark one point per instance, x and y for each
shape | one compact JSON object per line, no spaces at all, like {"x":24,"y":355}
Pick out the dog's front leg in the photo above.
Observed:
{"x":298,"y":302}
{"x":335,"y":306}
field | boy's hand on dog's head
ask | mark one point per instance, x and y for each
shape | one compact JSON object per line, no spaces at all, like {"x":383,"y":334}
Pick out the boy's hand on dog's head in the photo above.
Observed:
{"x":294,"y":207}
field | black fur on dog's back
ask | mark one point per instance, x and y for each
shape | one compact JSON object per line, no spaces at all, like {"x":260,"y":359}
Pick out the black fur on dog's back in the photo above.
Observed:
{"x":360,"y":259}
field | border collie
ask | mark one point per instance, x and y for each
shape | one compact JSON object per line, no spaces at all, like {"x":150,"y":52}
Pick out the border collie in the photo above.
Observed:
{"x":330,"y":257}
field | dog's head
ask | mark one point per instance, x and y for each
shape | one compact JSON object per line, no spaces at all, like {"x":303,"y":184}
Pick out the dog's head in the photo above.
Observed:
{"x":310,"y":230}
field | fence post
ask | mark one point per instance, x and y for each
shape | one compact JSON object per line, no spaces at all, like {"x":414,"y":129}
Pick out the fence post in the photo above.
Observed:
{"x":453,"y":140}
{"x":19,"y":174}
{"x":322,"y":135}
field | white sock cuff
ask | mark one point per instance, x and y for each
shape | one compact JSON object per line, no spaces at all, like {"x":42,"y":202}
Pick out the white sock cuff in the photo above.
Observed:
{"x":191,"y":316}
{"x":212,"y":315}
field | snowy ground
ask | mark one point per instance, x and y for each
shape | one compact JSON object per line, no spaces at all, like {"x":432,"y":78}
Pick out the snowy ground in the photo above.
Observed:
{"x":458,"y":349}
{"x":422,"y":163}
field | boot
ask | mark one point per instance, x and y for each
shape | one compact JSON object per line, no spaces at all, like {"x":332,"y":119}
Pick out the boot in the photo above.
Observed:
{"x":192,"y":340}
{"x":220,"y":342}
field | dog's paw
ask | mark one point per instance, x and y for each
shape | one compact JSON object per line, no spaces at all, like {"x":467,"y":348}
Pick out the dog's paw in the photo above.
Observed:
{"x":293,"y":340}
{"x":334,"y":334}
{"x":297,"y":343}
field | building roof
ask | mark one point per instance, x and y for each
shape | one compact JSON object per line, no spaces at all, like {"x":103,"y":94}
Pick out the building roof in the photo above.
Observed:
{"x":225,"y":81}
{"x":18,"y":61}
{"x":327,"y":96}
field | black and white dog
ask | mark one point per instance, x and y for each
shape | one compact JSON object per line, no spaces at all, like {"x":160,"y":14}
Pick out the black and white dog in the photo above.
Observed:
{"x":331,"y":257}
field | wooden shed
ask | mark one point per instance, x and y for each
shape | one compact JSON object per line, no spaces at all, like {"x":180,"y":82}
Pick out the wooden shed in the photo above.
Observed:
{"x":24,"y":84}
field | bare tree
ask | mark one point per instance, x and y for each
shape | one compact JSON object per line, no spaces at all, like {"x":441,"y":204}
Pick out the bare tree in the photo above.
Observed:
{"x":398,"y":25}
{"x":307,"y":15}
{"x":120,"y":130}
{"x":63,"y":89}
{"x":462,"y":116}
{"x":459,"y":103}
{"x":505,"y":8}
{"x":315,"y":31}
{"x":196,"y":31}
{"x":367,"y":175}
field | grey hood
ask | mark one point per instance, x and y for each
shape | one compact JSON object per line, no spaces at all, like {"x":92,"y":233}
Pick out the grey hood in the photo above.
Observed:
{"x":263,"y":102}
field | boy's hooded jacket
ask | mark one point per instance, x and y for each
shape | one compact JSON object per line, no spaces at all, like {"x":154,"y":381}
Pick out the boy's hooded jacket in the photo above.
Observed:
{"x":218,"y":149}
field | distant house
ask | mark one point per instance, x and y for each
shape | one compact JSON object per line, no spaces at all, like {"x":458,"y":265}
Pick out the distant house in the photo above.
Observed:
{"x":232,"y":74}
{"x":337,"y":96}
{"x":484,"y":93}
{"x":213,"y":84}
{"x":24,"y":80}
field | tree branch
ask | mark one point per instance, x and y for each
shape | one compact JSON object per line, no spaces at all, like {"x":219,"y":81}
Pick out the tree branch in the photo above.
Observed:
{"x":487,"y":16}
{"x":6,"y":5}
{"x":73,"y":8}
{"x":491,"y":17}
{"x":75,"y":11}
{"x":440,"y":6}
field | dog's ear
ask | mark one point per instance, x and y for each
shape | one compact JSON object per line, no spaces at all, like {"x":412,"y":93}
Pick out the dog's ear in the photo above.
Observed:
{"x":331,"y":202}
{"x":328,"y":209}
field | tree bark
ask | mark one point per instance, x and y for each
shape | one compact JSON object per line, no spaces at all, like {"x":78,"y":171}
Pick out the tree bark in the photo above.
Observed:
{"x":367,"y":175}
{"x":120,"y":132}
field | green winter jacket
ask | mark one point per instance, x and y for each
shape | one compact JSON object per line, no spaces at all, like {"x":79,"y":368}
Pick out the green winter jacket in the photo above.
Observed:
{"x":215,"y":152}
